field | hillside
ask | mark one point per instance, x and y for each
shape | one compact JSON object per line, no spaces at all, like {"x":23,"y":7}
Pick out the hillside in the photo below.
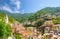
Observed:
{"x":49,"y":10}
{"x":17,"y":16}
{"x":21,"y":17}
{"x":45,"y":11}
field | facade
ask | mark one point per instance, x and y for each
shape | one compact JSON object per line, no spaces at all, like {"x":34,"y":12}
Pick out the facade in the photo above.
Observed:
{"x":49,"y":26}
{"x":32,"y":32}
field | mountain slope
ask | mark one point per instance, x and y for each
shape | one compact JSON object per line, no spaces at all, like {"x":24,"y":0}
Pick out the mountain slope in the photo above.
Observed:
{"x":17,"y":16}
{"x":44,"y":11}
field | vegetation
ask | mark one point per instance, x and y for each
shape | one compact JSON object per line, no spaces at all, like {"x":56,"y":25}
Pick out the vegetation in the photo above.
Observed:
{"x":45,"y":11}
{"x":39,"y":23}
{"x":5,"y":30}
{"x":17,"y":16}
{"x":17,"y":36}
{"x":56,"y":21}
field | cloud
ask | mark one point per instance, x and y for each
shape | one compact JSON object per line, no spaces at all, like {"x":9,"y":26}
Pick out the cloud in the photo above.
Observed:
{"x":16,"y":11}
{"x":9,"y":8}
{"x":17,"y":3}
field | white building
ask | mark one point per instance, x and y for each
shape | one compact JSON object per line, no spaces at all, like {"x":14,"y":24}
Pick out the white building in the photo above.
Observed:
{"x":6,"y":19}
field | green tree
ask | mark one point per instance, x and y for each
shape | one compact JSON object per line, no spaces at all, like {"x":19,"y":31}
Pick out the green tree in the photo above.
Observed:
{"x":2,"y":23}
{"x":39,"y":23}
{"x":17,"y":36}
{"x":56,"y":21}
{"x":5,"y":29}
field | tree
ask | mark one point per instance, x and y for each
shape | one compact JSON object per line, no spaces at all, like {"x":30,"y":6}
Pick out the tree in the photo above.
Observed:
{"x":17,"y":36}
{"x":56,"y":21}
{"x":5,"y":30}
{"x":39,"y":23}
{"x":1,"y":26}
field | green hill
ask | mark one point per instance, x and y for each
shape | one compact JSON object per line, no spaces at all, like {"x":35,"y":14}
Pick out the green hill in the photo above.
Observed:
{"x":45,"y":11}
{"x":48,"y":10}
{"x":17,"y":16}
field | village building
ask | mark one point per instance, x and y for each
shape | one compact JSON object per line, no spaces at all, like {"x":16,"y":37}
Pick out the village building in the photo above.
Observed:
{"x":6,"y":19}
{"x":31,"y":32}
{"x":58,"y":15}
{"x":50,"y":26}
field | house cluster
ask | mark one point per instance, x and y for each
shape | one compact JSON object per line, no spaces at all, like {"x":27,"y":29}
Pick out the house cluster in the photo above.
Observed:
{"x":25,"y":33}
{"x":50,"y":26}
{"x":31,"y":32}
{"x":49,"y":29}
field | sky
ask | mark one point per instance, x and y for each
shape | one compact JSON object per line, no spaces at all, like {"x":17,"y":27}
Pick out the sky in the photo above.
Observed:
{"x":27,"y":6}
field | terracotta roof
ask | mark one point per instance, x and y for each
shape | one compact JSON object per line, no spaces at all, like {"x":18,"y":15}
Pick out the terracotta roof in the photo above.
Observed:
{"x":47,"y":23}
{"x":19,"y":27}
